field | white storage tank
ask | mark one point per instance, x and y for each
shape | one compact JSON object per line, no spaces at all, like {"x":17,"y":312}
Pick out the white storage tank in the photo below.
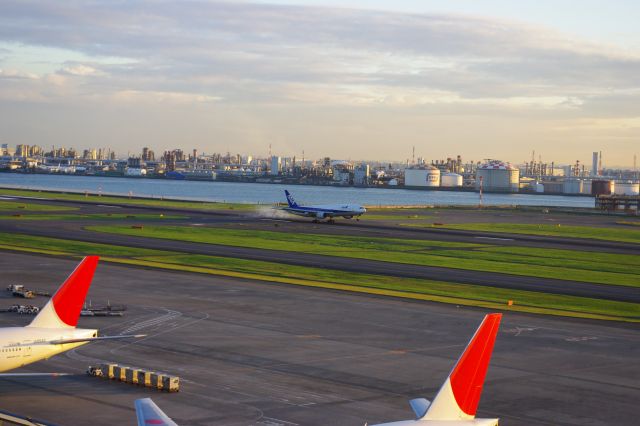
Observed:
{"x":586,"y":186}
{"x":572,"y":186}
{"x":451,"y":180}
{"x":498,"y":176}
{"x":627,"y":188}
{"x":423,"y":176}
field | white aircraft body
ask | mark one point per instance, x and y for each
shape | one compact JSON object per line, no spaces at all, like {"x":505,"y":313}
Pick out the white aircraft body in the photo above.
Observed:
{"x":53,"y":330}
{"x":457,"y":401}
{"x":455,"y":404}
{"x":347,"y":211}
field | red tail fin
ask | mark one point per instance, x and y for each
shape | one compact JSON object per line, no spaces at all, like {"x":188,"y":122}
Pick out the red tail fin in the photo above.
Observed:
{"x":64,"y":307}
{"x":468,"y":375}
{"x":459,"y":396}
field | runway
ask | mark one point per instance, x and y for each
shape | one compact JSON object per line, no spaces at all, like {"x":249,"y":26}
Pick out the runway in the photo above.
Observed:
{"x":390,"y":228}
{"x":75,"y":231}
{"x":251,"y":353}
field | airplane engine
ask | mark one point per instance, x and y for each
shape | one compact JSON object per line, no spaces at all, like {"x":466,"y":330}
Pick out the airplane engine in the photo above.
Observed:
{"x":320,"y":215}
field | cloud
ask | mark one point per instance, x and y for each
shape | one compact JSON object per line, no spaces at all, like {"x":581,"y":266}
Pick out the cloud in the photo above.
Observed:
{"x":78,"y":70}
{"x":259,"y":60}
{"x":223,"y":49}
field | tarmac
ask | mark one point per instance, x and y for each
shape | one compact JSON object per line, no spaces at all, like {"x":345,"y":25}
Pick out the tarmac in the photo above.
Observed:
{"x":270,"y":220}
{"x":252,"y":353}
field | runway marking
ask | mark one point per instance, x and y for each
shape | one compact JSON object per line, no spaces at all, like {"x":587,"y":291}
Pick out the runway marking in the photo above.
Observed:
{"x":270,"y":421}
{"x":197,"y":224}
{"x":495,"y":238}
{"x":108,"y":206}
{"x":580,"y":339}
{"x":169,"y":316}
{"x":7,"y":198}
{"x":519,"y":330}
{"x":309,"y":336}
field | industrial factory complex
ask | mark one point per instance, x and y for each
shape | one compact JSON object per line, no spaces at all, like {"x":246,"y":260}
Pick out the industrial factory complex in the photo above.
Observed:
{"x":451,"y":174}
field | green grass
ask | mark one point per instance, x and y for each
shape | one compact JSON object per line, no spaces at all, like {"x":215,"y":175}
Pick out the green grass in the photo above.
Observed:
{"x":461,"y":294}
{"x":628,"y":222}
{"x":17,"y":206}
{"x":97,"y":216}
{"x":607,"y":234}
{"x":93,"y":198}
{"x":404,"y":216}
{"x":44,"y":244}
{"x":602,"y":268}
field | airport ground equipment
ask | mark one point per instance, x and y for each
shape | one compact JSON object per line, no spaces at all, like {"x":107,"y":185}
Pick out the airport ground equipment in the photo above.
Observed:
{"x":19,"y":290}
{"x":24,"y":309}
{"x":136,"y":376}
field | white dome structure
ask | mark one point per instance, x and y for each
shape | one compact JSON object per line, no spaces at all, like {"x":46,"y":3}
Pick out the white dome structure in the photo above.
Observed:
{"x":498,"y":176}
{"x":451,"y":180}
{"x":422,"y":176}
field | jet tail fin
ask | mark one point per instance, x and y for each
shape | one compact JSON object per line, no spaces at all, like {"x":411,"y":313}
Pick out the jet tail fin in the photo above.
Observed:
{"x":148,"y":413}
{"x":290,"y":200}
{"x":459,"y":397}
{"x":63,"y":309}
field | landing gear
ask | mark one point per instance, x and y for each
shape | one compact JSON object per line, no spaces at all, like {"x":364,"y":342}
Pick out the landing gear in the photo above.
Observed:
{"x":331,"y":221}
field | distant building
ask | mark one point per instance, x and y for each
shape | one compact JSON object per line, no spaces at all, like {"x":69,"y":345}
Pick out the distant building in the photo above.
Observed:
{"x":148,"y":155}
{"x":594,"y":165}
{"x":498,"y":176}
{"x":422,"y":176}
{"x":276,"y":165}
{"x":22,"y":150}
{"x":361,"y":175}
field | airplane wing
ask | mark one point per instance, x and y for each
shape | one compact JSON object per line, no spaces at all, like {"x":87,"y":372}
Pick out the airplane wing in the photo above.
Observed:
{"x":93,"y":339}
{"x":148,"y":413}
{"x":33,"y":374}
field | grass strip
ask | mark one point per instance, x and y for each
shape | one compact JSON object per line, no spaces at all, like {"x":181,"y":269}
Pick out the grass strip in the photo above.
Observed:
{"x":606,"y":234}
{"x":562,"y":264}
{"x":461,"y":294}
{"x":132,"y":201}
{"x":97,"y":216}
{"x":18,"y":206}
{"x":628,"y":222}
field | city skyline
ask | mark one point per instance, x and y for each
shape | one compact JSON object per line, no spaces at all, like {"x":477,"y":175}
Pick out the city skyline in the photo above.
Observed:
{"x":490,"y":81}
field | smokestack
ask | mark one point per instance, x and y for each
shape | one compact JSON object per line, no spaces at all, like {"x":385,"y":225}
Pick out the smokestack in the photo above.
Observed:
{"x":594,"y":165}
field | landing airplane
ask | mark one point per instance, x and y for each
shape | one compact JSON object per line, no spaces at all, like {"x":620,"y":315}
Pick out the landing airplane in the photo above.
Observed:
{"x":455,"y":404}
{"x":457,"y":401}
{"x":347,"y":211}
{"x":53,"y":330}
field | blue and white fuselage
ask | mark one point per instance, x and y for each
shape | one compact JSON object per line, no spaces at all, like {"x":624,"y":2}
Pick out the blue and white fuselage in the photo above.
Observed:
{"x":347,"y":211}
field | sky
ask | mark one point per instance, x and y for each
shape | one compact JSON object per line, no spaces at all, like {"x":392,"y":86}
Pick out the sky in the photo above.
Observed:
{"x":351,"y":79}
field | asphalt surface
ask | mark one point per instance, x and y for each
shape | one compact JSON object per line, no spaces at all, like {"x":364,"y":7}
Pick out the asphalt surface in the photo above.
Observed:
{"x":565,"y":287}
{"x":262,"y":354}
{"x":74,"y":230}
{"x":390,"y":228}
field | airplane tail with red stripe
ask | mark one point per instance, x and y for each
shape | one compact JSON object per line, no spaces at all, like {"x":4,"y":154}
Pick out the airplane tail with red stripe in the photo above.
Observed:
{"x":459,"y":397}
{"x":63,"y":310}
